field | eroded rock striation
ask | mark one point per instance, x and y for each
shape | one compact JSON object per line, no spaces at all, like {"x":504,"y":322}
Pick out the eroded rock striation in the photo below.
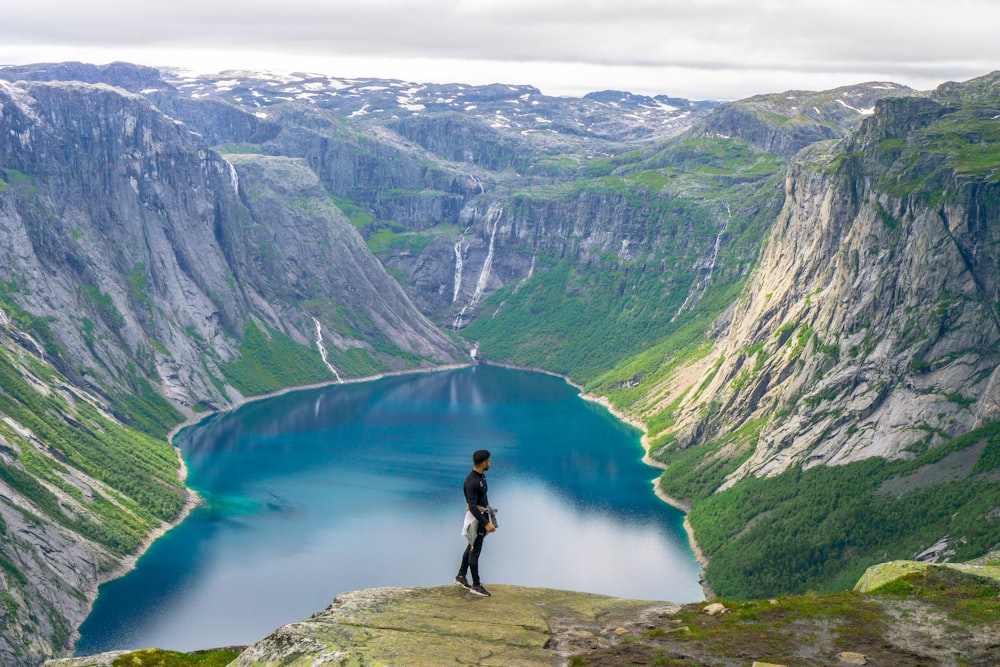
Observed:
{"x":145,"y":277}
{"x":870,"y":326}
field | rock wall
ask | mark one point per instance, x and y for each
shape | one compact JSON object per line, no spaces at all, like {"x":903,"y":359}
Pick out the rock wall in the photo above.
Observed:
{"x":136,"y":239}
{"x":870,"y":327}
{"x":132,"y":258}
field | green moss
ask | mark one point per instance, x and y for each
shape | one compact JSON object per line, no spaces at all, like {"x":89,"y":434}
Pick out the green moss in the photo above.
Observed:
{"x":240,"y":149}
{"x":138,"y":282}
{"x":154,"y":657}
{"x":11,"y":570}
{"x":105,"y":306}
{"x":887,"y":220}
{"x":359,"y":218}
{"x":22,"y":319}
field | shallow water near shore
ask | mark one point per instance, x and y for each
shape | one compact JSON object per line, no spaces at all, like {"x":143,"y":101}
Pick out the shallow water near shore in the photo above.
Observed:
{"x":320,"y":491}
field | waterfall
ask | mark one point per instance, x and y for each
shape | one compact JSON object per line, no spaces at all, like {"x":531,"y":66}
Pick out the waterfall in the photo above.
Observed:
{"x":322,"y":349}
{"x":492,"y":214}
{"x":234,"y":178}
{"x":4,"y":320}
{"x":457,"y":322}
{"x":531,"y":272}
{"x":38,"y":348}
{"x":484,"y":275}
{"x":698,"y":289}
{"x":718,"y":242}
{"x":458,"y":268}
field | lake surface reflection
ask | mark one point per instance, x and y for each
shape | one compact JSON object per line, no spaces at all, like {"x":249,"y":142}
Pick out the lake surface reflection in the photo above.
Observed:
{"x":356,"y":486}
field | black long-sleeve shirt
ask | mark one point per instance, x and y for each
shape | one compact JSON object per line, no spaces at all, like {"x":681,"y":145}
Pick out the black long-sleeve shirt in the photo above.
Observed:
{"x":475,"y":495}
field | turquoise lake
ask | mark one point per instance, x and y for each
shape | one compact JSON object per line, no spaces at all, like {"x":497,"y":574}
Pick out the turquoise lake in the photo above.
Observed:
{"x":351,"y":486}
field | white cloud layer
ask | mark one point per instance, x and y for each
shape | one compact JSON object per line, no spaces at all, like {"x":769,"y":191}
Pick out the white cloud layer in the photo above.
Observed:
{"x":693,"y":48}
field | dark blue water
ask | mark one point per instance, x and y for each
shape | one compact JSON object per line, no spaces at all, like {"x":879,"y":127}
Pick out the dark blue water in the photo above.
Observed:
{"x":356,"y":486}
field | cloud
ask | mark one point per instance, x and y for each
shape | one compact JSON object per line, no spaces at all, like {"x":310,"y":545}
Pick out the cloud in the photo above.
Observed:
{"x":727,"y":44}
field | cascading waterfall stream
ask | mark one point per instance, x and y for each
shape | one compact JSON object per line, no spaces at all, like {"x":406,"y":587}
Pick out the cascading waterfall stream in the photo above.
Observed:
{"x":484,"y":275}
{"x":698,"y":290}
{"x":459,"y":265}
{"x":493,"y":213}
{"x":322,"y":349}
{"x":531,"y":272}
{"x":234,"y":178}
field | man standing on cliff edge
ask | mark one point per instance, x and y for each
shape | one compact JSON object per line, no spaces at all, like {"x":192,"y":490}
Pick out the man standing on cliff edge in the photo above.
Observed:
{"x":479,"y":512}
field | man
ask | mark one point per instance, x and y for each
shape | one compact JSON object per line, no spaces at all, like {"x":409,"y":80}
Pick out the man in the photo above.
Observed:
{"x":478,"y":502}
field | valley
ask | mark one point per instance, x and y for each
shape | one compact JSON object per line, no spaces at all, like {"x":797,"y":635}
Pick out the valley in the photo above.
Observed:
{"x":796,"y":293}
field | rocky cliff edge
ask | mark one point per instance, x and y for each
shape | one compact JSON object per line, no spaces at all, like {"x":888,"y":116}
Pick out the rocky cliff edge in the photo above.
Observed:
{"x":901,"y":613}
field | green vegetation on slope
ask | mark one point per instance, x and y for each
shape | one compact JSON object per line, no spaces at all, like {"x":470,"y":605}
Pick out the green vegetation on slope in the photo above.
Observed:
{"x":154,"y":657}
{"x":572,"y":322}
{"x":938,"y":616}
{"x":140,"y":471}
{"x":144,"y":408}
{"x":38,"y":327}
{"x":272,"y":360}
{"x":819,"y":529}
{"x":607,"y":322}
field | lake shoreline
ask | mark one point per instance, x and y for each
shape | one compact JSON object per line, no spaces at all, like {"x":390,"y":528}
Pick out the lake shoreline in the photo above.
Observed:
{"x":681,"y":505}
{"x":129,"y":562}
{"x":192,"y":499}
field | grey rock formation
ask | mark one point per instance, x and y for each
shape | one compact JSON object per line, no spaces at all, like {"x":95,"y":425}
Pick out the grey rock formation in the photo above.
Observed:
{"x":134,"y":257}
{"x":870,"y":327}
{"x":133,"y":237}
{"x":787,"y":122}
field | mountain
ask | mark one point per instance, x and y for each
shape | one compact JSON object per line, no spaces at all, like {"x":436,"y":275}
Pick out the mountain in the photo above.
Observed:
{"x":858,"y":370}
{"x":147,"y":279}
{"x":795,"y":293}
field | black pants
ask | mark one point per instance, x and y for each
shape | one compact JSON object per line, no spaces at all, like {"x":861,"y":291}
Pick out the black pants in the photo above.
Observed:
{"x":470,"y":558}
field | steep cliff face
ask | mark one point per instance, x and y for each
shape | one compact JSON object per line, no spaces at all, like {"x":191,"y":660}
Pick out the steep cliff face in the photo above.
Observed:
{"x":487,"y":200}
{"x":870,"y":327}
{"x":132,"y":235}
{"x":145,"y":278}
{"x":308,"y":252}
{"x":80,"y":492}
{"x":100,"y":187}
{"x":133,"y":78}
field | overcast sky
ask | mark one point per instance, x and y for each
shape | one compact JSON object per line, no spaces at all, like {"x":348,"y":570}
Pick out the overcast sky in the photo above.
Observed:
{"x":700,"y":49}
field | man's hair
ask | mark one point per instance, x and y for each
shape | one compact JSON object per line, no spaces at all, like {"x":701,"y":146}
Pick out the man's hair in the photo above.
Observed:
{"x":479,"y":456}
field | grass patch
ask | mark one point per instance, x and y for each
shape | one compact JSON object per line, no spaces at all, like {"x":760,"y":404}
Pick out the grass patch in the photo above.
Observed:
{"x":271,"y":360}
{"x":154,"y":657}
